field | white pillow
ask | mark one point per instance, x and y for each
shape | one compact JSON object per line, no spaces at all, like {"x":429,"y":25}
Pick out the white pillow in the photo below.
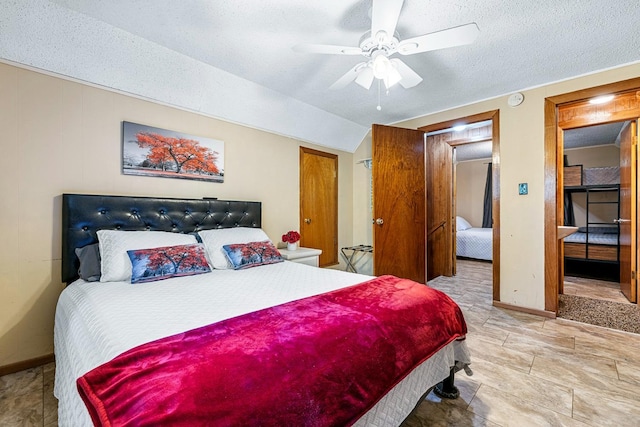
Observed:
{"x":115,"y":264}
{"x":462,"y":224}
{"x":214,"y":240}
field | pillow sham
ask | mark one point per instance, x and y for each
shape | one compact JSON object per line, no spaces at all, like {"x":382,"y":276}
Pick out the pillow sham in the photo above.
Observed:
{"x":150,"y":265}
{"x":89,"y":257}
{"x":214,"y":240}
{"x":115,"y":265}
{"x":462,"y":224}
{"x":252,"y":254}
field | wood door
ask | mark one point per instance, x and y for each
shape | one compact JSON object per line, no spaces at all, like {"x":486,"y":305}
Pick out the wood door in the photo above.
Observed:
{"x":399,"y":202}
{"x":628,"y":214}
{"x":319,"y":203}
{"x":440,"y":221}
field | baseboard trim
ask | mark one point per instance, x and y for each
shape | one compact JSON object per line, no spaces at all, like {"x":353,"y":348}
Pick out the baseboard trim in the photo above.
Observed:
{"x":543,"y":313}
{"x":26,"y":364}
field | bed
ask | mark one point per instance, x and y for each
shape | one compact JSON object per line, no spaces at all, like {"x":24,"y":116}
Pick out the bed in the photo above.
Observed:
{"x":98,"y":324}
{"x":601,"y":243}
{"x":594,"y":250}
{"x":473,"y":242}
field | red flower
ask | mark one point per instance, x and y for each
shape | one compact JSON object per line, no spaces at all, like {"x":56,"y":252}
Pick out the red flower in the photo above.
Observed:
{"x":291,"y":237}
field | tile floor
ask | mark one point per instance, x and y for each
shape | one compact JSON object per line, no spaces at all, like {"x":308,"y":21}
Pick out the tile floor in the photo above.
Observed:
{"x":528,"y":371}
{"x":26,"y":398}
{"x":534,"y":371}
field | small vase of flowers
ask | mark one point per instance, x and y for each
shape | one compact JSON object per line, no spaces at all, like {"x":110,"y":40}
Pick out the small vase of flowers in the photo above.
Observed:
{"x":291,"y":238}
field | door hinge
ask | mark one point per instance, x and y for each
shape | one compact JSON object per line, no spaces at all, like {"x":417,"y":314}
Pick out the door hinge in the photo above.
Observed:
{"x":633,"y":275}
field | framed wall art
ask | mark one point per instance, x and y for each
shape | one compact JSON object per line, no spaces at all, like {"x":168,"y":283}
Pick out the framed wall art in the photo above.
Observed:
{"x":150,"y":151}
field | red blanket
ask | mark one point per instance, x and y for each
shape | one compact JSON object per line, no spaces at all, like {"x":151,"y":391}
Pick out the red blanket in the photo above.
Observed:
{"x":320,"y":361}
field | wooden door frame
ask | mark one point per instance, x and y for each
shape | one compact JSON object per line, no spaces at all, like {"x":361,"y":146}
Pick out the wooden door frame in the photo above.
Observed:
{"x":553,"y":179}
{"x":494,"y":116}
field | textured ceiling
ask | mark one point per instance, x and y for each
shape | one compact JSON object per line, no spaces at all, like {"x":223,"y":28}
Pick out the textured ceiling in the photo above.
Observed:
{"x":593,"y":135}
{"x":234,"y":59}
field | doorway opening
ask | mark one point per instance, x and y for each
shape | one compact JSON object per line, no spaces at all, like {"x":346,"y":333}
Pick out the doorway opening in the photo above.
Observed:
{"x":577,"y":112}
{"x":592,"y":197}
{"x":476,"y":192}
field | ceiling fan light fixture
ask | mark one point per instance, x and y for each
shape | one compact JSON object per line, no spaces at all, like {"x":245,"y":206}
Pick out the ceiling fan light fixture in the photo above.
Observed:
{"x":381,"y":66}
{"x":365,"y":77}
{"x":393,"y":77}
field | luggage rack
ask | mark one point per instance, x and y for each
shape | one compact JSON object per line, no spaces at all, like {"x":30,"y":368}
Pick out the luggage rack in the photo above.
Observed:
{"x":352,"y":259}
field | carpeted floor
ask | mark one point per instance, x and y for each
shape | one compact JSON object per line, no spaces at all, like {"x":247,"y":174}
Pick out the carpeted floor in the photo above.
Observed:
{"x":624,"y":317}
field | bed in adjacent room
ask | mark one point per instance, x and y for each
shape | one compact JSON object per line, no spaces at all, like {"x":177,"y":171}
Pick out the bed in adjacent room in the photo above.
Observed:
{"x":473,"y":242}
{"x":185,"y":313}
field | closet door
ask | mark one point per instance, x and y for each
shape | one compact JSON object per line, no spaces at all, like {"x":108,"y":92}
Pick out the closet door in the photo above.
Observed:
{"x":628,"y":210}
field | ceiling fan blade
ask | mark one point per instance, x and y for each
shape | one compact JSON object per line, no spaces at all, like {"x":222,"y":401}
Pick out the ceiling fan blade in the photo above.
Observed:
{"x":409,"y":77}
{"x":384,"y":16}
{"x":456,"y":36}
{"x":365,"y":77}
{"x":348,"y":77}
{"x":327,"y":49}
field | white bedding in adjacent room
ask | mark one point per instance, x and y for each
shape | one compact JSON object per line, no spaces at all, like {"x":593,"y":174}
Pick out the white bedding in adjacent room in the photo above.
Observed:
{"x":475,"y":243}
{"x":97,"y":321}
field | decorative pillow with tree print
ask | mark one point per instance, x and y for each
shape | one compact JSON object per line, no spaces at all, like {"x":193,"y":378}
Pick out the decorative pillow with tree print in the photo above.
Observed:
{"x":252,"y":254}
{"x":148,"y":265}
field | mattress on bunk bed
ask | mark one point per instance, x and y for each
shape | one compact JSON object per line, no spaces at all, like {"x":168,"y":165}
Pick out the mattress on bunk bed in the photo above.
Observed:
{"x":595,"y":236}
{"x":600,"y":243}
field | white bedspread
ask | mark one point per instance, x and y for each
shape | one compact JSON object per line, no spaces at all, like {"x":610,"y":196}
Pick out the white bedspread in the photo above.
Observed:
{"x":95,"y":322}
{"x":475,"y":243}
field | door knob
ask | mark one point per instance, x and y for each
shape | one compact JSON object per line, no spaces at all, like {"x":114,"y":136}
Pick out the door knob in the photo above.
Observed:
{"x":621,"y":220}
{"x":307,"y":220}
{"x":379,"y":221}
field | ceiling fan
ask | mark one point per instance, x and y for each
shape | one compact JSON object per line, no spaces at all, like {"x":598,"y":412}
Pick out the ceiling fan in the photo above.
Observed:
{"x":382,"y":41}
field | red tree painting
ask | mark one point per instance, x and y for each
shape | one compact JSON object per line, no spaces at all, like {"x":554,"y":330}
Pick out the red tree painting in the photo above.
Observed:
{"x":178,"y":153}
{"x":153,"y":151}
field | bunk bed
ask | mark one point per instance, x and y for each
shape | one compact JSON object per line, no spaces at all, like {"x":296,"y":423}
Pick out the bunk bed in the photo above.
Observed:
{"x":594,"y":250}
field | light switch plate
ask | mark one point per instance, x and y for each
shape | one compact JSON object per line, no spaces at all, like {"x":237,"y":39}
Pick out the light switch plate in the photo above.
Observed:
{"x":523,"y":188}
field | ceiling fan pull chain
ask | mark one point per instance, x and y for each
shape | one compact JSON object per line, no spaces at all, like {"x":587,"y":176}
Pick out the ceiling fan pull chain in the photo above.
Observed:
{"x":379,"y":108}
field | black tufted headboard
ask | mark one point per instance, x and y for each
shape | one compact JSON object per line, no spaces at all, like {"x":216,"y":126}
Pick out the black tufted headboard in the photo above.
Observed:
{"x":84,"y":214}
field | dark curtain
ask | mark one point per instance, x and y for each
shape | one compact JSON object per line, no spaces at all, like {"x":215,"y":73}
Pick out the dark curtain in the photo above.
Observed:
{"x":569,"y":217}
{"x":487,"y":214}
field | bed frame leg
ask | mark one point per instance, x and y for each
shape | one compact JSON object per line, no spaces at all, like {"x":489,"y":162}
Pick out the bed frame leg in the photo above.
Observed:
{"x":447,"y":389}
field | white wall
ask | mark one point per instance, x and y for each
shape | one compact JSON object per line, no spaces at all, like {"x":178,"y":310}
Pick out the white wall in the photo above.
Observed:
{"x":471,"y":178}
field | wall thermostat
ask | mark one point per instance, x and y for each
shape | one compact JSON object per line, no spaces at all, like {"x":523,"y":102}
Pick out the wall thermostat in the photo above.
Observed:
{"x":515,"y":99}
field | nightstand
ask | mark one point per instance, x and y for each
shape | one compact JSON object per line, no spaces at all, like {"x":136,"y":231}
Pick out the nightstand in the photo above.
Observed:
{"x":301,"y":255}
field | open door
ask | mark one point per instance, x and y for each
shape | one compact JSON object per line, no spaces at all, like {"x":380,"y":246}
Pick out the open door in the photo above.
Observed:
{"x":440,"y":216}
{"x":412,"y":204}
{"x":399,"y":202}
{"x":628,"y":214}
